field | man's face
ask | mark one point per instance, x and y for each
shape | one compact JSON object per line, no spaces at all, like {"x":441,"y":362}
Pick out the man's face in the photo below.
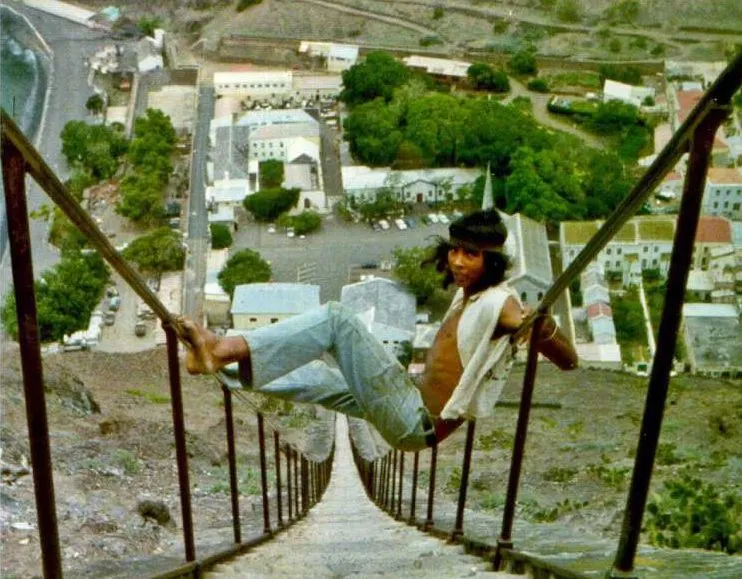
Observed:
{"x":466,"y":265}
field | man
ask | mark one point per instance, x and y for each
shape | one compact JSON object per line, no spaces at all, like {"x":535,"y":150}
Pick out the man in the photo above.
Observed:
{"x":466,"y":367}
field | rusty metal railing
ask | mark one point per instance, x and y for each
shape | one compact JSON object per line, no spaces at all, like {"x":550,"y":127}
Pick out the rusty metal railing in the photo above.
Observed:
{"x":695,"y":137}
{"x":19,"y":158}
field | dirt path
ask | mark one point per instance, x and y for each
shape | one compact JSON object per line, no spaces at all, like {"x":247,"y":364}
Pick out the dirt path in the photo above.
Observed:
{"x":542,"y":115}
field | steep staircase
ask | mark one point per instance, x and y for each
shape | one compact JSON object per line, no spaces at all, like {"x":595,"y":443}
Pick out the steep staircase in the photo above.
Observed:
{"x":346,"y":534}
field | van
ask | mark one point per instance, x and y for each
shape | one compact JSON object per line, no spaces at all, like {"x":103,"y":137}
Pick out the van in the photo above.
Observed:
{"x":115,"y":303}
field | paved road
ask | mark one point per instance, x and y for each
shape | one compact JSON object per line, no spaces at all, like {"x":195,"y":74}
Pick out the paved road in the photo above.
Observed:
{"x":334,"y":249}
{"x":198,"y":223}
{"x":69,"y":90}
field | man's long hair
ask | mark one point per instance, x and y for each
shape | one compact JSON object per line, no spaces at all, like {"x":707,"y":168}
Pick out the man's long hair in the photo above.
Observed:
{"x":475,"y":231}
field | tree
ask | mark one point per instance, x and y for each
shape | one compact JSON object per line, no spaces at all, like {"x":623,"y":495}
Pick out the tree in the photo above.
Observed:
{"x":422,"y":282}
{"x":94,"y":104}
{"x":373,"y":132}
{"x":483,"y":76}
{"x":438,"y":12}
{"x":158,"y":251}
{"x":92,"y":148}
{"x":306,"y":222}
{"x":377,"y":76}
{"x":629,"y":318}
{"x":66,"y":295}
{"x":141,"y":198}
{"x":245,"y":4}
{"x":614,"y":45}
{"x":569,"y":11}
{"x":613,"y":117}
{"x":221,"y":236}
{"x":523,"y":62}
{"x":436,"y":124}
{"x":270,"y":173}
{"x":243,"y":267}
{"x":268,"y":204}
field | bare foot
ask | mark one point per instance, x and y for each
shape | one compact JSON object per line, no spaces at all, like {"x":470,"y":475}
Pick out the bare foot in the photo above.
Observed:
{"x":200,"y":357}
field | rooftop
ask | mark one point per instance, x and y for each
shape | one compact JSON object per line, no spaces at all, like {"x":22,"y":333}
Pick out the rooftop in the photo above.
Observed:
{"x":230,"y":152}
{"x":724,"y":176}
{"x":644,"y":228}
{"x":274,"y":298}
{"x":712,"y":229}
{"x":599,"y":309}
{"x":441,"y":66}
{"x":532,"y":256}
{"x":285,"y":131}
{"x":275,"y":117}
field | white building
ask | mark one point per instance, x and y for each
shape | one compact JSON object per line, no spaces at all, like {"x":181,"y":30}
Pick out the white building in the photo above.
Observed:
{"x":260,"y":84}
{"x":273,"y":141}
{"x":227,"y":192}
{"x":440,"y":67}
{"x":645,"y":242}
{"x":626,"y":93}
{"x":216,"y":300}
{"x":723,"y":193}
{"x":260,"y":304}
{"x":338,"y":57}
{"x":415,"y":186}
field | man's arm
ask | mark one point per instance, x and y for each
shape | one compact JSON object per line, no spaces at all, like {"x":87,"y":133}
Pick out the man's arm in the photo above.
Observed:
{"x":552,"y":343}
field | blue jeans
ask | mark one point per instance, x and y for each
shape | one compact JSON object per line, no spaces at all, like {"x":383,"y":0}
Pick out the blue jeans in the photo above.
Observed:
{"x":369,"y":382}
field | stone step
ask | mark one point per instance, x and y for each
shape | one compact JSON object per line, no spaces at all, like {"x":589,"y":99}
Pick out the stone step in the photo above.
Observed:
{"x":346,"y":534}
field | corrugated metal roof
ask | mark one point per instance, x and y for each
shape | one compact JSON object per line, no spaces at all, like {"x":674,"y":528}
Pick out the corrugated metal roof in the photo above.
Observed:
{"x":274,"y":298}
{"x":284,"y":131}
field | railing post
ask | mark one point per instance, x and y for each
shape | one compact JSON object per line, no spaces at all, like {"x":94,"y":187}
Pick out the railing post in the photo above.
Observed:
{"x":399,"y":492}
{"x":181,"y":451}
{"x":304,"y":484}
{"x":392,"y":489}
{"x":296,"y":483}
{"x":413,"y":494}
{"x":458,"y":529}
{"x":263,"y":474}
{"x":289,"y":496}
{"x":654,"y":408}
{"x":14,"y":174}
{"x":431,"y":486}
{"x":388,"y":483}
{"x":234,"y":489}
{"x":504,"y":541}
{"x":279,"y":501}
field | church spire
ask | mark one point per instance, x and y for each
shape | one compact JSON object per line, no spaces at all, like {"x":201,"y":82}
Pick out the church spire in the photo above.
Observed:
{"x":488,"y":201}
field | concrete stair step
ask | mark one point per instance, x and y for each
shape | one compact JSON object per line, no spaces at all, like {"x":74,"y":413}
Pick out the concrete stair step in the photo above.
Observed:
{"x":345,"y":534}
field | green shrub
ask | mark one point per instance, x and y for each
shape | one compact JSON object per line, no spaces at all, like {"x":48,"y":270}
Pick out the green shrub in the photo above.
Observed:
{"x":666,"y":454}
{"x":538,"y":85}
{"x":430,"y":41}
{"x":523,"y":62}
{"x":438,"y":12}
{"x":221,"y":236}
{"x":560,"y":474}
{"x":691,"y":513}
{"x":454,"y":480}
{"x":126,"y":460}
{"x":614,"y":45}
{"x":500,"y":26}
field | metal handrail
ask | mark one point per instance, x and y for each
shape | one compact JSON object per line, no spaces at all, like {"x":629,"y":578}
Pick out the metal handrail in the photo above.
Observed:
{"x":695,"y":136}
{"x":20,"y":158}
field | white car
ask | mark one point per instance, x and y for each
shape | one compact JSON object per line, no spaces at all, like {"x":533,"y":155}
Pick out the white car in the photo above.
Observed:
{"x":290,"y":232}
{"x":384,"y":224}
{"x":401,"y":225}
{"x":433,"y":218}
{"x":443,"y":218}
{"x":271,"y":228}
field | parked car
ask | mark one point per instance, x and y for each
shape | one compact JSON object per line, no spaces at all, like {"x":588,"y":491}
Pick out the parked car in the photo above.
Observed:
{"x":384,"y":224}
{"x":109,"y":318}
{"x":433,"y":218}
{"x":401,"y":225}
{"x":443,"y":218}
{"x":115,"y":303}
{"x":456,"y":214}
{"x":140,"y":329}
{"x":375,"y":226}
{"x":111,"y":291}
{"x":271,"y":228}
{"x":411,"y":223}
{"x":290,"y":232}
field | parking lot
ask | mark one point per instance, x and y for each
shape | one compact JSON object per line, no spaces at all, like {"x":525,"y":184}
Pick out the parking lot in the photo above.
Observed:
{"x":332,"y":251}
